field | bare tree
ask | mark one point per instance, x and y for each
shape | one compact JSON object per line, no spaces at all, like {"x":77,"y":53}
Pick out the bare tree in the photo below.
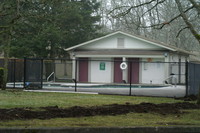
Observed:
{"x":171,"y":21}
{"x":186,"y":18}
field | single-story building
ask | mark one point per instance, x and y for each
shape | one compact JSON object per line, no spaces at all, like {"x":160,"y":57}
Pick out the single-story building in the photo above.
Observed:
{"x":107,"y":60}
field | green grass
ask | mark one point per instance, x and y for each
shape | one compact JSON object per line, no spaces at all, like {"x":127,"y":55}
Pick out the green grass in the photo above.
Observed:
{"x":128,"y":120}
{"x":12,"y":99}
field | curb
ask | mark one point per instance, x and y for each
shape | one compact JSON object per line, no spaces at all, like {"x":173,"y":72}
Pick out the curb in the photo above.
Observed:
{"x":104,"y":130}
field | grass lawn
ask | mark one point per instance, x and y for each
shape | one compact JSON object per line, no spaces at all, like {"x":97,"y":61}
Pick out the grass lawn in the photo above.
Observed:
{"x":13,"y":99}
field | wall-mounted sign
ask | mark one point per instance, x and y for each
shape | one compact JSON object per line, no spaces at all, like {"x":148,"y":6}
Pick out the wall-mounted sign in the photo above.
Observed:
{"x":102,"y":66}
{"x":149,"y":59}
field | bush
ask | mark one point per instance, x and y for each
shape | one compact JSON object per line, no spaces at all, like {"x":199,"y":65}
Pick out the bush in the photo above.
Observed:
{"x":1,"y":76}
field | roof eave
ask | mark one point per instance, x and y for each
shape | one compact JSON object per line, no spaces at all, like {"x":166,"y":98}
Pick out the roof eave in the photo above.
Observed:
{"x":160,"y":44}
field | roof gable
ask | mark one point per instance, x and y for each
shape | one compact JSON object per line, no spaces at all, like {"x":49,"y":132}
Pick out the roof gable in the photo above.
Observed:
{"x":131,"y":42}
{"x":112,"y":42}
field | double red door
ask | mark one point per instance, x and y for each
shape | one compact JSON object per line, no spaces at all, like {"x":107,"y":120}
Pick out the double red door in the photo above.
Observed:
{"x":133,"y":70}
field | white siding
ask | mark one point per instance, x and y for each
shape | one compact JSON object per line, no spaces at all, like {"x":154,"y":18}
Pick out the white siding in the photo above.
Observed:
{"x":138,"y":44}
{"x":112,"y":43}
{"x":97,"y":75}
{"x":152,"y":72}
{"x":106,"y":43}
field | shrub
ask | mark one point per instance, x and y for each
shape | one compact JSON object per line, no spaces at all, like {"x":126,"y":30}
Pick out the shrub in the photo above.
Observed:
{"x":1,"y":76}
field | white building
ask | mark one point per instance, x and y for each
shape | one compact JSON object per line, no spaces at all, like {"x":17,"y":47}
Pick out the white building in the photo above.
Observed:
{"x":100,"y":59}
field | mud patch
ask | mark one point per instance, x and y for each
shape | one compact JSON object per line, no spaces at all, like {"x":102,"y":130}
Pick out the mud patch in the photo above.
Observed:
{"x":174,"y":124}
{"x":188,"y":98}
{"x":78,"y":111}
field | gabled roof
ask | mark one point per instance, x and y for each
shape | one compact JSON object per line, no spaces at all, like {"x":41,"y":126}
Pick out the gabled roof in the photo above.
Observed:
{"x":144,"y":39}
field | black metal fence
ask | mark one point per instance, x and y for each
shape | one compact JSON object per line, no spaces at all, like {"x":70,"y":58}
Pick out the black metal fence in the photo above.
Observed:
{"x":15,"y":70}
{"x":128,"y":74}
{"x":33,"y":73}
{"x":76,"y":74}
{"x":193,"y":78}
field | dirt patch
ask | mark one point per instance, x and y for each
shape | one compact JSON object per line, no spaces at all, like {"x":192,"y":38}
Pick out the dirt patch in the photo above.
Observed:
{"x":77,"y":111}
{"x":174,"y":123}
{"x":188,"y":98}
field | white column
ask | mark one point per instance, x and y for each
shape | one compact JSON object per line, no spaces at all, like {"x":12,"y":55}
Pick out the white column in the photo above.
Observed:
{"x":167,"y":60}
{"x":125,"y":72}
{"x":73,"y":67}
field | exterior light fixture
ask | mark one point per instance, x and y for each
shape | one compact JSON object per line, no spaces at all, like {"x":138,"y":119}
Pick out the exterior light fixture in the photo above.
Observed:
{"x":165,"y":54}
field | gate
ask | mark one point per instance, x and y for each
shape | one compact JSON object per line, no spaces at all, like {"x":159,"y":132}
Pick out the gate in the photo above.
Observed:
{"x":33,"y":73}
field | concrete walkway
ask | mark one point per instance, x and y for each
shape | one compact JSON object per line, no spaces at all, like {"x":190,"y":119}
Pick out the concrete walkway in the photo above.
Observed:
{"x":137,"y":90}
{"x":167,"y":91}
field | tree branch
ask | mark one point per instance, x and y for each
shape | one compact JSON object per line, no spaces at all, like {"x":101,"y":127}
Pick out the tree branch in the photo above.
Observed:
{"x":197,"y":6}
{"x":166,"y":23}
{"x":129,"y":9}
{"x":4,"y":31}
{"x":181,"y":31}
{"x":4,"y":26}
{"x":183,"y":15}
{"x":153,"y":7}
{"x":2,"y":15}
{"x":159,"y":25}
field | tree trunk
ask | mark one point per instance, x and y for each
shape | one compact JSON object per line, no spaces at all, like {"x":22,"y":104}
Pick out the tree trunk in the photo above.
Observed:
{"x":6,"y":57}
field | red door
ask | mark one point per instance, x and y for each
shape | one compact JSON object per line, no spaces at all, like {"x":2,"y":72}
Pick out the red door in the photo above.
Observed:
{"x":83,"y":70}
{"x":133,"y":69}
{"x":117,"y":70}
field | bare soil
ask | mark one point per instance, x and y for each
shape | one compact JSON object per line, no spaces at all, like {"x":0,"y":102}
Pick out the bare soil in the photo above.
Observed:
{"x":188,"y":98}
{"x":105,"y":110}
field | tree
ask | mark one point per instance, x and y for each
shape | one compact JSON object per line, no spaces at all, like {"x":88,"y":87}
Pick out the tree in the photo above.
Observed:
{"x":9,"y":14}
{"x":165,"y":20}
{"x":43,"y":28}
{"x":51,"y":26}
{"x":187,"y":18}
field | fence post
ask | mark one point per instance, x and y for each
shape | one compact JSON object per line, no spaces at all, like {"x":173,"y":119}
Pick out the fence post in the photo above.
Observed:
{"x":179,"y":71}
{"x":24,"y":72}
{"x":186,"y":78}
{"x":75,"y":81}
{"x":41,"y":77}
{"x":130,"y":77}
{"x":14,"y":73}
{"x":54,"y":69}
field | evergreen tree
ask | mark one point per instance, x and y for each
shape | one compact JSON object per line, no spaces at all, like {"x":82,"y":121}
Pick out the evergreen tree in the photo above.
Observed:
{"x":47,"y":27}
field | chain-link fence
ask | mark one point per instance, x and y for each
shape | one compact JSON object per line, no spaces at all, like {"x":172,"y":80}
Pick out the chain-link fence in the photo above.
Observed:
{"x":95,"y":74}
{"x":127,"y":75}
{"x":15,"y":71}
{"x":33,"y":71}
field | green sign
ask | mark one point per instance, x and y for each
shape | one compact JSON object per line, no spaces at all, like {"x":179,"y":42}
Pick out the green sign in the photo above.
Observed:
{"x":102,"y":66}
